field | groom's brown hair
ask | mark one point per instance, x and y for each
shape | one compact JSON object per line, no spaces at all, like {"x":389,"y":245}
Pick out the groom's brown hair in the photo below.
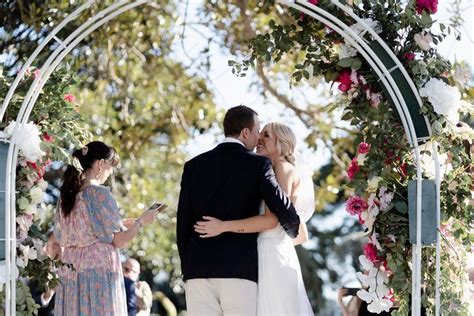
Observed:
{"x":238,"y":118}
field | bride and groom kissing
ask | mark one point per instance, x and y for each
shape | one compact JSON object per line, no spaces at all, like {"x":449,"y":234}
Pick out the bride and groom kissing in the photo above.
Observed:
{"x":229,"y":195}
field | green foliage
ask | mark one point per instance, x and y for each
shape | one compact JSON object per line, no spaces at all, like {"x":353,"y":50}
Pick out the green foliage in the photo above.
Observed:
{"x":317,"y":52}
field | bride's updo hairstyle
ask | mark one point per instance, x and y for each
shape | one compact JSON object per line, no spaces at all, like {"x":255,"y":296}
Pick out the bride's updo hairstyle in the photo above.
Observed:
{"x":285,"y":140}
{"x":73,"y":179}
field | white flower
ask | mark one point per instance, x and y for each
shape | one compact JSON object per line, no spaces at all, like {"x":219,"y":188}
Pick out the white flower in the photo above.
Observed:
{"x":24,"y":223}
{"x":361,"y":158}
{"x":360,"y":30}
{"x":28,"y":140}
{"x":347,"y":51}
{"x":369,"y":216}
{"x":377,"y":306}
{"x":373,"y":184}
{"x":36,"y":195}
{"x":423,"y":40}
{"x":373,"y":239}
{"x":31,"y":209}
{"x":27,"y":253}
{"x":365,"y":263}
{"x":385,"y":198}
{"x":42,"y":184}
{"x":428,"y":163}
{"x":445,"y":99}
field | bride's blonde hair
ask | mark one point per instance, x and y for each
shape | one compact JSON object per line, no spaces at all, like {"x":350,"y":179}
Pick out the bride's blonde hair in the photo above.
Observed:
{"x":285,"y":140}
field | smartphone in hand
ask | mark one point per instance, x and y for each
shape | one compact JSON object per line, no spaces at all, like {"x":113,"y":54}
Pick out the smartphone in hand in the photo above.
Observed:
{"x":158,"y":206}
{"x":351,"y":291}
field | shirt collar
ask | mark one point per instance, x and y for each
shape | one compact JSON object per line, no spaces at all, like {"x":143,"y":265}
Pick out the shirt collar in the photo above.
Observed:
{"x":232,"y":140}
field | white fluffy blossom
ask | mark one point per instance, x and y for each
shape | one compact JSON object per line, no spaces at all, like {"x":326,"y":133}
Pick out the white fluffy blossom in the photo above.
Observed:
{"x":428,"y":163}
{"x":347,"y":51}
{"x":423,"y":40}
{"x":376,"y":291}
{"x":28,"y":140}
{"x":445,"y":99}
{"x":374,"y":25}
{"x":36,"y":195}
{"x":373,"y":184}
{"x":385,"y":198}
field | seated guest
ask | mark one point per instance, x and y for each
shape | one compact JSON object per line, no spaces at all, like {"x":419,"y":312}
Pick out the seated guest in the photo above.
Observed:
{"x":139,"y":296}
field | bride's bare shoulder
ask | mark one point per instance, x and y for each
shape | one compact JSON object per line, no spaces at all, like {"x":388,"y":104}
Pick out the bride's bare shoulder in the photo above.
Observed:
{"x":285,"y":169}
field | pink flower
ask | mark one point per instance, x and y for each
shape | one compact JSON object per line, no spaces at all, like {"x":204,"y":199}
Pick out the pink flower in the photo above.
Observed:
{"x":70,"y":98}
{"x":370,"y":252}
{"x":431,"y":6}
{"x":409,"y":56}
{"x":356,"y":205}
{"x":36,"y":73}
{"x":344,"y":80}
{"x":364,"y":148}
{"x":353,"y":168}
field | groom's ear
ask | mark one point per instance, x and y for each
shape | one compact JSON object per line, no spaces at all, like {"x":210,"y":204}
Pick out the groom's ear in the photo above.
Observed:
{"x":245,"y":132}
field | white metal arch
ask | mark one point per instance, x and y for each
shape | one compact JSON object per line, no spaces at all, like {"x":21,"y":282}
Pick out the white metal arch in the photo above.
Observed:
{"x":370,"y":56}
{"x":122,"y":6}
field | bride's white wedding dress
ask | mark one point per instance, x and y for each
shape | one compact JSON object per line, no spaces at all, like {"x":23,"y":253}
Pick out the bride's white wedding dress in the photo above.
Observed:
{"x":281,"y":289}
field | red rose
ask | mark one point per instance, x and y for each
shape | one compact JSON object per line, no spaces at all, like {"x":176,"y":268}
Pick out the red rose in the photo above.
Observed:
{"x":344,"y":80}
{"x":430,"y":6}
{"x":48,"y":138}
{"x":409,"y":56}
{"x":370,"y":252}
{"x":364,"y":148}
{"x":353,"y":168}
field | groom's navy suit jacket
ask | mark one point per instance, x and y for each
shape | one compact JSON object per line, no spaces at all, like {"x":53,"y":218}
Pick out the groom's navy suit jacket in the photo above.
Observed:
{"x":228,"y":182}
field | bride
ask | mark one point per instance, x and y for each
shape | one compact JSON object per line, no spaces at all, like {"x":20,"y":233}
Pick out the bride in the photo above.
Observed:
{"x":280,"y":284}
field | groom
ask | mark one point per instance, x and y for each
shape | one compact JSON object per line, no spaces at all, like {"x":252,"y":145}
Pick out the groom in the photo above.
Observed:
{"x":228,"y":182}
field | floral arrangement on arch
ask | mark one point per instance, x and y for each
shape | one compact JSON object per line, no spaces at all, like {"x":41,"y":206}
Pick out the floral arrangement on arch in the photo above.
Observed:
{"x":40,"y":141}
{"x":383,"y":164}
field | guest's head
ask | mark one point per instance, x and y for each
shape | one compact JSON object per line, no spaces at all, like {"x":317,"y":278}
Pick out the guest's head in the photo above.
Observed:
{"x":53,"y":248}
{"x":277,"y":141}
{"x":241,"y":122}
{"x":131,"y":269}
{"x":97,"y":161}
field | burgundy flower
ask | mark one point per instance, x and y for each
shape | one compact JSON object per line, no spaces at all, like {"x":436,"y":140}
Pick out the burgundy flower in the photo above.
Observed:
{"x":353,"y":168}
{"x":409,"y":56}
{"x":48,"y":138}
{"x":371,"y":252}
{"x":364,"y":148}
{"x":344,"y":80}
{"x":356,"y":205}
{"x":404,"y":169}
{"x":430,"y":6}
{"x":69,"y":98}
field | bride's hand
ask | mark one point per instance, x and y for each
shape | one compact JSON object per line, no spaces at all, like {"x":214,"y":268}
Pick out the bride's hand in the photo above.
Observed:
{"x":210,"y":228}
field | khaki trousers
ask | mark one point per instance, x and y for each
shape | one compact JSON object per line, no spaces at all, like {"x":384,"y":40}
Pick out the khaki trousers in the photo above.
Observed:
{"x":221,"y":297}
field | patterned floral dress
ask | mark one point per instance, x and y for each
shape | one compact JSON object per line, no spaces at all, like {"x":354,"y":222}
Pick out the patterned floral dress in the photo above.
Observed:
{"x":96,"y":286}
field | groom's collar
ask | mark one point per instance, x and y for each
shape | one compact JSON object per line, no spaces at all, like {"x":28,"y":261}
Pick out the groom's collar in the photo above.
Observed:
{"x":232,"y":140}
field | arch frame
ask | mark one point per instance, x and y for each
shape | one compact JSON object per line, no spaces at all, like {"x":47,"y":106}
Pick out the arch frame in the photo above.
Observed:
{"x":122,"y":6}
